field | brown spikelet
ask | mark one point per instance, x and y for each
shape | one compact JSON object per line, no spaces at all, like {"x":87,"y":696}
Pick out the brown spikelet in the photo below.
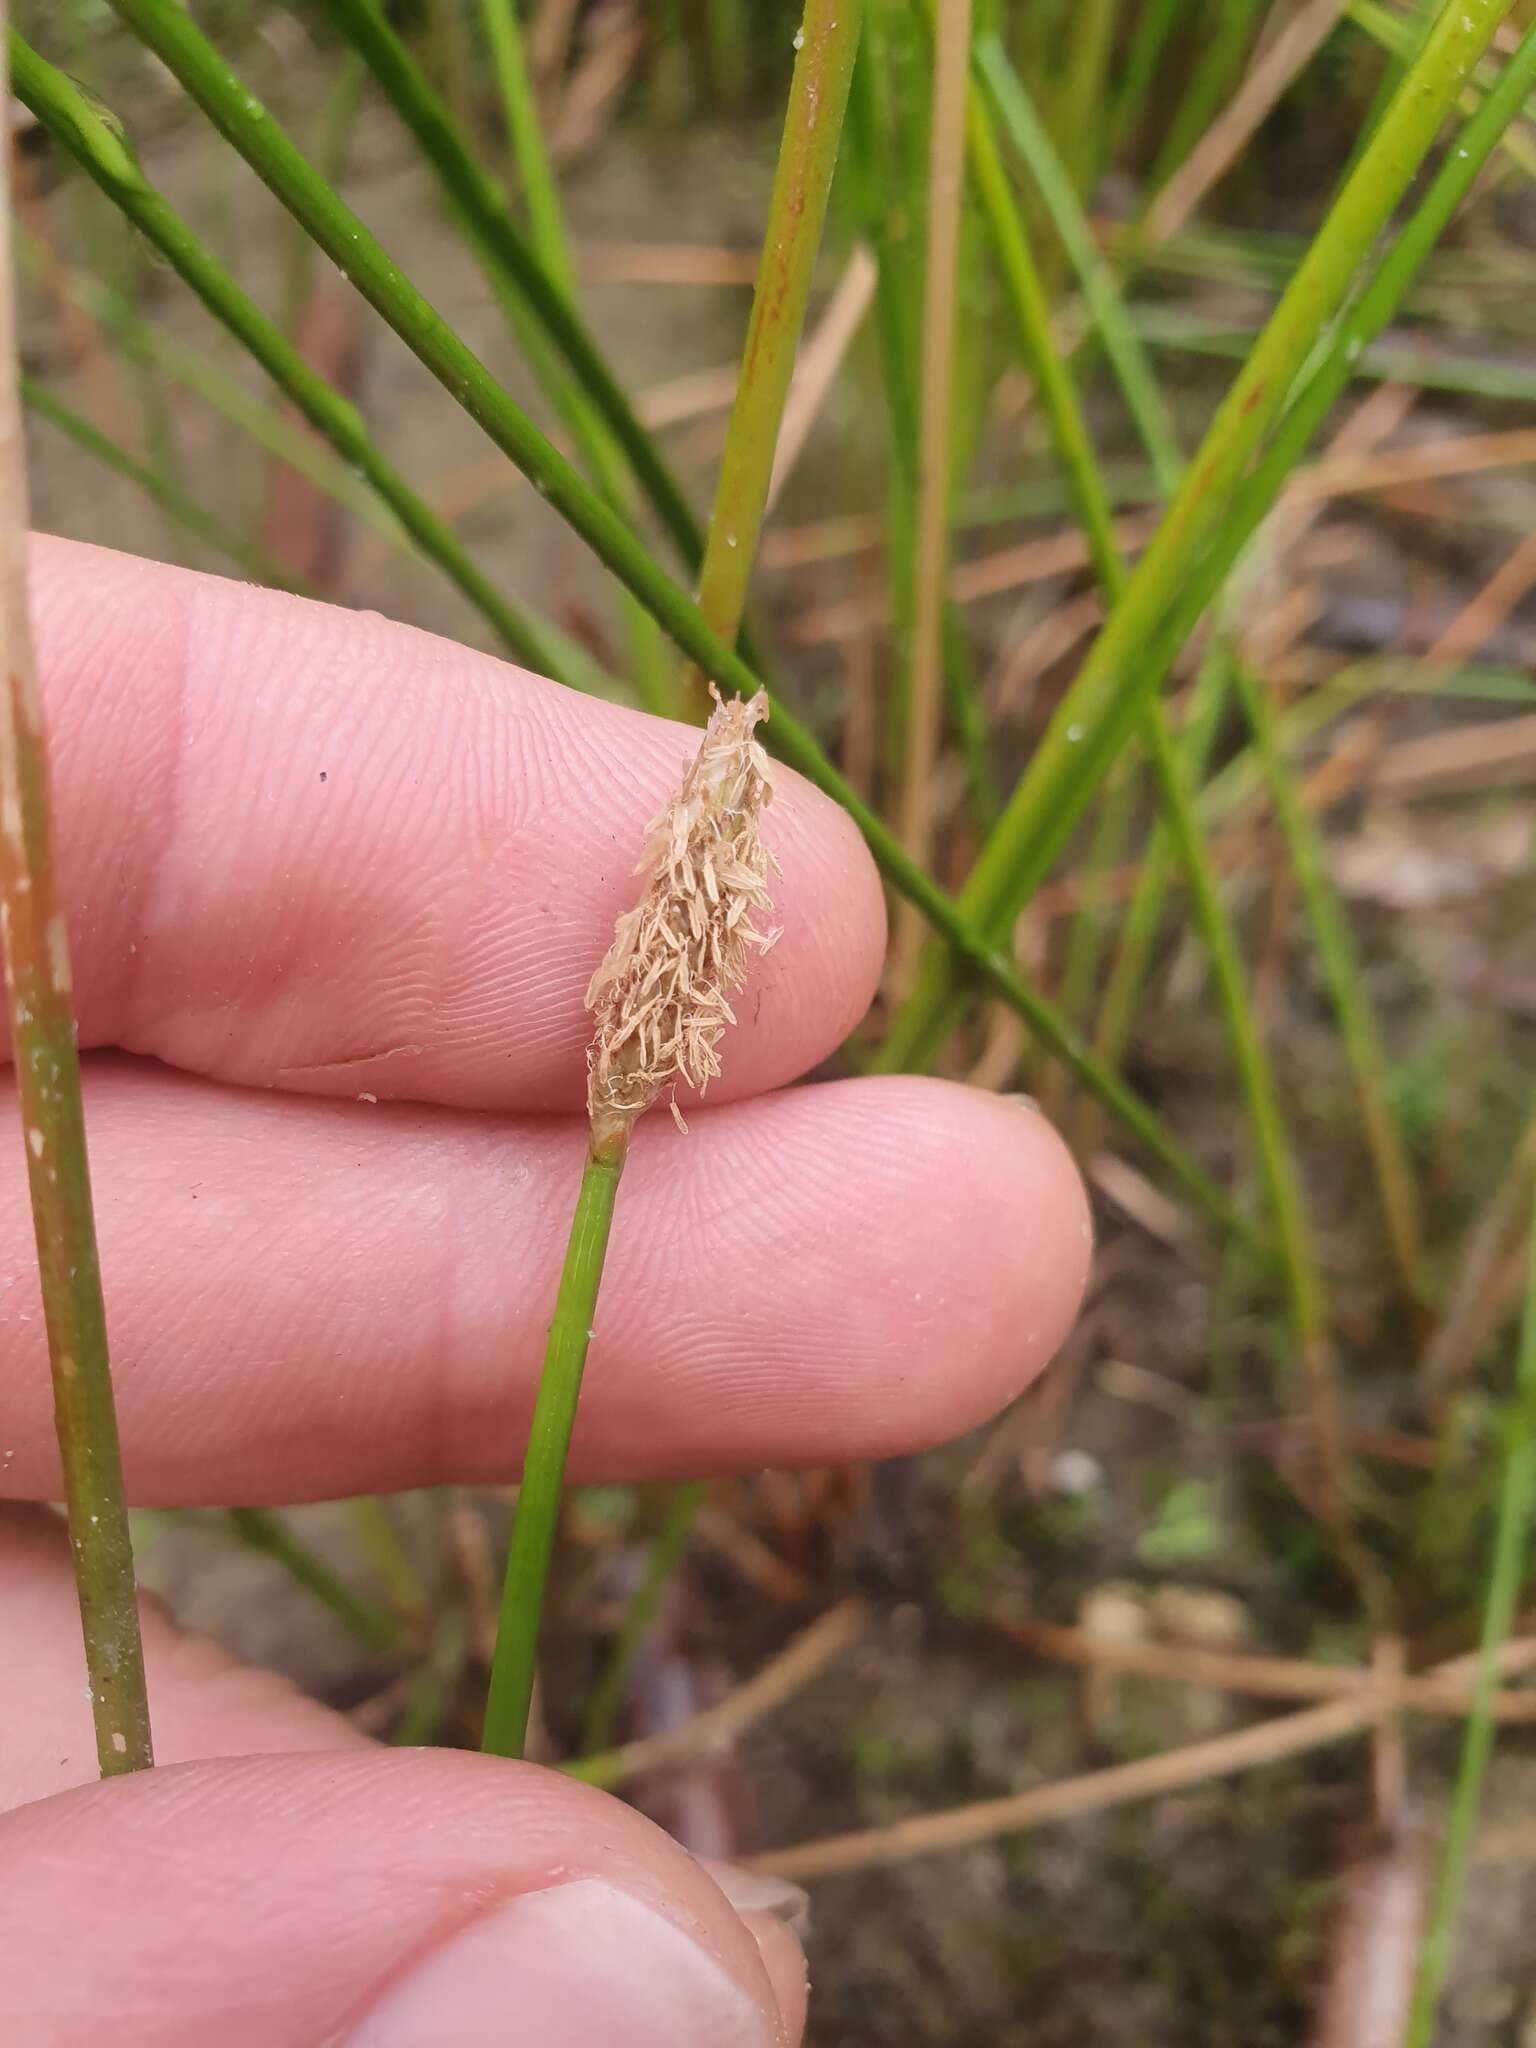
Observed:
{"x":661,"y":996}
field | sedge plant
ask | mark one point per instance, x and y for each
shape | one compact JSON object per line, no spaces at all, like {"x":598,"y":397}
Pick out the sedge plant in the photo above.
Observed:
{"x":660,"y":1001}
{"x":39,"y":988}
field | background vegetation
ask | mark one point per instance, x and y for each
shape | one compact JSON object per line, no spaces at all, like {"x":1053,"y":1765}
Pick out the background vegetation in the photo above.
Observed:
{"x":1147,"y":561}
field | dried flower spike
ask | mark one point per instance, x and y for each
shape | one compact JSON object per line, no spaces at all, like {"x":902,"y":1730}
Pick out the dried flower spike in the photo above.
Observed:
{"x":660,"y":998}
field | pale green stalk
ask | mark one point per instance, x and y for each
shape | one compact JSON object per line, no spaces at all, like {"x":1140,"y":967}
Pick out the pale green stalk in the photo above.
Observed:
{"x":51,"y":1121}
{"x":247,"y":556}
{"x":1080,"y":95}
{"x":1219,"y":56}
{"x":1144,"y":913}
{"x":259,"y":1529}
{"x":1334,"y":941}
{"x":1015,"y":113}
{"x":612,"y":1688}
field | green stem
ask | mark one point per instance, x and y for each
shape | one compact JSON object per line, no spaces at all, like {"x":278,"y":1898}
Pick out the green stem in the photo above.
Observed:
{"x":549,"y":1439}
{"x":1341,"y":971}
{"x":1159,"y":606}
{"x":171,"y":500}
{"x":1144,"y":913}
{"x":100,"y":152}
{"x":261,"y":1530}
{"x":52,"y":1119}
{"x":143,"y":341}
{"x":1511,"y":1546}
{"x":387,"y":1554}
{"x":1016,"y":113}
{"x":612,"y":1688}
{"x":813,"y":124}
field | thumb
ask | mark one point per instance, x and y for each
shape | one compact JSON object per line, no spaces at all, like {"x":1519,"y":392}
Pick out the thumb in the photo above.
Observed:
{"x":373,"y":1900}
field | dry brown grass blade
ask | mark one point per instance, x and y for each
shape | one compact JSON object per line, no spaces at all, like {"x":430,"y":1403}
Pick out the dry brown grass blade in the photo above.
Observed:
{"x":1269,"y":78}
{"x":1196,"y":1763}
{"x":1486,"y":613}
{"x":819,"y":361}
{"x":1346,"y":475}
{"x":717,"y":1727}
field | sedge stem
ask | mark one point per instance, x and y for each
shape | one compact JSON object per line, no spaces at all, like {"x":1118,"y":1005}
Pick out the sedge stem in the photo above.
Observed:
{"x":549,"y":1442}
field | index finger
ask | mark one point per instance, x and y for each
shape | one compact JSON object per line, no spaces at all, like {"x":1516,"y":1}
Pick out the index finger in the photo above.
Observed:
{"x":315,"y":850}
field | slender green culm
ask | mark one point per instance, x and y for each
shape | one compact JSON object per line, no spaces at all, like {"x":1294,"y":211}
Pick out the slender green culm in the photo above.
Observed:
{"x":1093,"y":718}
{"x":1511,"y":1553}
{"x":1016,"y":115}
{"x":1335,"y":945}
{"x":100,"y":151}
{"x":52,"y":1117}
{"x":826,"y":45}
{"x":191,"y":517}
{"x":660,"y":1001}
{"x":543,"y":1485}
{"x":267,"y":425}
{"x":612,"y":1688}
{"x":259,"y":1529}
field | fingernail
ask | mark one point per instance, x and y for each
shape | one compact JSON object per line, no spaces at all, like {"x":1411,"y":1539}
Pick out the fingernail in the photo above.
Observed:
{"x":570,"y":1967}
{"x":1029,"y":1102}
{"x":754,"y":1891}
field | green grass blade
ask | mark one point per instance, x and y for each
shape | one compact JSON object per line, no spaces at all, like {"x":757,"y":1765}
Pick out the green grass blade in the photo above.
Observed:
{"x":258,"y":1529}
{"x":1511,"y":1552}
{"x":1154,"y":24}
{"x":612,"y":1689}
{"x":1015,"y":113}
{"x":145,"y":341}
{"x":1218,"y":61}
{"x":882,"y":214}
{"x":168,"y":497}
{"x":1144,"y":913}
{"x":942,"y":206}
{"x":1346,"y":990}
{"x":1093,"y":719}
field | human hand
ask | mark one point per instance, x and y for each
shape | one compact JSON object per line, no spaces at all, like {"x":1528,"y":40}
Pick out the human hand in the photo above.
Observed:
{"x":335,"y":890}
